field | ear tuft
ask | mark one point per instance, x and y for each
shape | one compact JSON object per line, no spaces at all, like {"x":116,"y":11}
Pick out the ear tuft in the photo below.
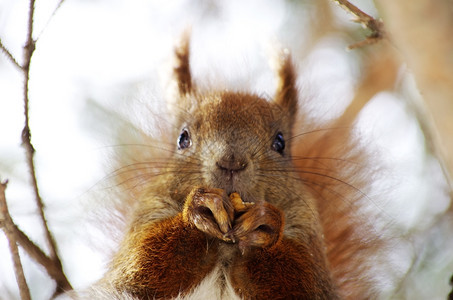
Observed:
{"x":181,"y":70}
{"x":286,"y":95}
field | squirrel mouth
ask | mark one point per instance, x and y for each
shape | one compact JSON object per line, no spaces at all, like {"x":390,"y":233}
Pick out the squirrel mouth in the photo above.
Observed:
{"x":232,"y":177}
{"x":229,"y":183}
{"x":237,"y":187}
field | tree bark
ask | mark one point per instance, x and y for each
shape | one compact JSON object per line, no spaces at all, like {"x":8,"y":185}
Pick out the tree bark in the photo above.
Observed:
{"x":421,"y":31}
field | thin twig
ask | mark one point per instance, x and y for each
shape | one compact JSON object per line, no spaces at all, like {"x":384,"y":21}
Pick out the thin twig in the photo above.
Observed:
{"x":7,"y":224}
{"x":9,"y":55}
{"x":52,"y":264}
{"x":54,"y":271}
{"x":26,"y":134}
{"x":50,"y":19}
{"x":376,"y":26}
{"x":29,"y":149}
{"x":36,"y":253}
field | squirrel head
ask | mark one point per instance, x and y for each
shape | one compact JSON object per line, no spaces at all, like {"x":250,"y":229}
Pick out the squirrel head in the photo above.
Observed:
{"x":239,"y":142}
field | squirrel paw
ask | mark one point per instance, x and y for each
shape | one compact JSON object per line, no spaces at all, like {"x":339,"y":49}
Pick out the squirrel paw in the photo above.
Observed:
{"x":210,"y":211}
{"x":260,"y":225}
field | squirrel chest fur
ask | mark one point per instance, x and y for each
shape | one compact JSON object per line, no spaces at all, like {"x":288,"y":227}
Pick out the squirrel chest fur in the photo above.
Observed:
{"x":229,"y":217}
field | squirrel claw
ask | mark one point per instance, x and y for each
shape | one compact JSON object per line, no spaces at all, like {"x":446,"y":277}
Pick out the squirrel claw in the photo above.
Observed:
{"x":229,"y":237}
{"x":260,"y":226}
{"x":209,"y":210}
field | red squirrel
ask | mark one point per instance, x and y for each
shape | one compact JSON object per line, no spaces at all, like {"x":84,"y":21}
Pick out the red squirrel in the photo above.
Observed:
{"x":246,"y":207}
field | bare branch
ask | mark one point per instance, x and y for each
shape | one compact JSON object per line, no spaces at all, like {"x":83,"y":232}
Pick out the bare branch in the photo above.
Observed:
{"x":380,"y":73}
{"x":36,"y":253}
{"x":7,"y":224}
{"x":50,"y":19}
{"x":26,"y":134}
{"x":40,"y":257}
{"x":376,"y":26}
{"x":427,"y":51}
{"x":29,"y":149}
{"x":370,"y":40}
{"x":362,"y":17}
{"x":9,"y":55}
{"x":53,"y":264}
{"x":30,"y":43}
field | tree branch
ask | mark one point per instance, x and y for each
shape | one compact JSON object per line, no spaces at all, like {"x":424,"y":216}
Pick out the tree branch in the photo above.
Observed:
{"x":62,"y":284}
{"x":26,"y":134}
{"x":35,"y":252}
{"x":8,"y":228}
{"x":376,"y":26}
{"x":380,"y":73}
{"x":9,"y":55}
{"x":420,"y":31}
{"x":54,"y":271}
{"x":60,"y":3}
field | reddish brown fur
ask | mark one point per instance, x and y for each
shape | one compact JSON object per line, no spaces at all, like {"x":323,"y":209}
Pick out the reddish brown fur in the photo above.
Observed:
{"x":158,"y":253}
{"x":339,"y":175}
{"x":289,"y":270}
{"x":168,"y":250}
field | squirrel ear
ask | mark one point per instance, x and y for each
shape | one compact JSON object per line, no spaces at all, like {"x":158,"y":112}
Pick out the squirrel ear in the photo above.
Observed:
{"x":286,"y":95}
{"x":181,"y":71}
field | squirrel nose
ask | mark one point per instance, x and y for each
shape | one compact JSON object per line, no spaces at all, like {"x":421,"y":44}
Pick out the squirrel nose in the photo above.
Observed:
{"x":231,"y":165}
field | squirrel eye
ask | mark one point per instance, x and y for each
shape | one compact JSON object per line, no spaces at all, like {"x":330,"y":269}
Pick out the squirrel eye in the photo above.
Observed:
{"x":278,"y":144}
{"x":184,"y":140}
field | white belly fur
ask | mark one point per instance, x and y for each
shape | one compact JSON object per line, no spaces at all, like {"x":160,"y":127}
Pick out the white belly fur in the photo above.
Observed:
{"x":215,"y":286}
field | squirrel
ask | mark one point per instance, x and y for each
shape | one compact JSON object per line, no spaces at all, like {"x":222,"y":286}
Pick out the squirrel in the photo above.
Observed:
{"x":246,"y":208}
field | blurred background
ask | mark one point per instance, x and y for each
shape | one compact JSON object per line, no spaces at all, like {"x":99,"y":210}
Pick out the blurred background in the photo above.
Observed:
{"x":100,"y":72}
